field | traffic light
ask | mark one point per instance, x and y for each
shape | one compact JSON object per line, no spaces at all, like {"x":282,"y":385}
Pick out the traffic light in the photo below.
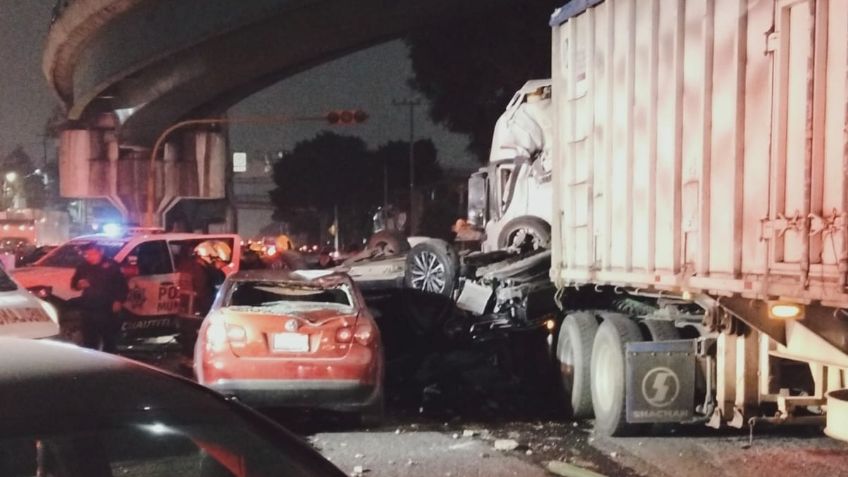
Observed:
{"x":347,"y":116}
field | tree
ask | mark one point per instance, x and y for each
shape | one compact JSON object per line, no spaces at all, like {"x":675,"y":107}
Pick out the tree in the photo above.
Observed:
{"x":319,"y":175}
{"x":395,"y":155}
{"x":330,"y":170}
{"x":468,"y":67}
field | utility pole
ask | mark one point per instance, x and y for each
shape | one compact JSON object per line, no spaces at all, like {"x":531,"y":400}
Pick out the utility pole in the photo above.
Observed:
{"x":411,"y":104}
{"x":385,"y":182}
{"x":336,"y":227}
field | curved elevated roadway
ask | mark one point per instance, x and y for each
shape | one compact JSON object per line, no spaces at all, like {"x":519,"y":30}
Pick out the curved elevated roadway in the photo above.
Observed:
{"x":154,"y":62}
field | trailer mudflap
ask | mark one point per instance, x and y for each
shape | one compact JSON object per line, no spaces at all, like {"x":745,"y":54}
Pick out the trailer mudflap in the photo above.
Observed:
{"x":660,"y":381}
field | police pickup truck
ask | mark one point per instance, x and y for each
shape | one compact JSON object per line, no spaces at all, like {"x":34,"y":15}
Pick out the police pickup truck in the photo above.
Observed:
{"x":22,"y":315}
{"x":160,"y":296}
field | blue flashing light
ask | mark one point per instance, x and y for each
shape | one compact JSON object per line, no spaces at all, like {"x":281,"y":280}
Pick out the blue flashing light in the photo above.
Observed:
{"x":112,"y":230}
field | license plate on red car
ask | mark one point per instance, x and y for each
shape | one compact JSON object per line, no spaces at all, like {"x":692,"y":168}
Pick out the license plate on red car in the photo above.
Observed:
{"x":291,"y":342}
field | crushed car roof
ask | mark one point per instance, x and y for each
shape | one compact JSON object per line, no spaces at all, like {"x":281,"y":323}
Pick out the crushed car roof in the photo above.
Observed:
{"x":315,"y":277}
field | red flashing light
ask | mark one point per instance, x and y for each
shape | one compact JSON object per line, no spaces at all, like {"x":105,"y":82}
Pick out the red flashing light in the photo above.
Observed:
{"x":347,"y":116}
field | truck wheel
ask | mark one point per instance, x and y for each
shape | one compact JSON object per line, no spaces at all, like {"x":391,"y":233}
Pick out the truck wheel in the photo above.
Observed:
{"x":574,"y":355}
{"x":608,"y":388}
{"x":432,"y":267}
{"x":525,"y":233}
{"x":661,"y":330}
{"x":389,"y":243}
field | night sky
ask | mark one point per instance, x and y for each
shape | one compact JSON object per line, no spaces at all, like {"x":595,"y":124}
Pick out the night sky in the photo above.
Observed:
{"x":369,"y":80}
{"x":25,"y":100}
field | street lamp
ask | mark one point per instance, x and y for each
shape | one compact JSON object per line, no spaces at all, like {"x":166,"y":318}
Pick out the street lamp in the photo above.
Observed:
{"x":334,"y":117}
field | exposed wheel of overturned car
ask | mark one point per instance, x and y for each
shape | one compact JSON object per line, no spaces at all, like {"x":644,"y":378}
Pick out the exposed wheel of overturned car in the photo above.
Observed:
{"x":432,"y":267}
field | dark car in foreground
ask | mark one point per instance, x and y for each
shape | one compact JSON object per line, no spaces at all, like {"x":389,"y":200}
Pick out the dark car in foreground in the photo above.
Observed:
{"x":70,"y":412}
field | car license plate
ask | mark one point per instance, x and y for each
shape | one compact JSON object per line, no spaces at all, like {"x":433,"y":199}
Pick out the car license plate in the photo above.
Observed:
{"x":293,"y":342}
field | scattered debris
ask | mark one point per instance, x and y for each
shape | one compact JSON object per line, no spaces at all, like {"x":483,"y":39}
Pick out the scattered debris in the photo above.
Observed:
{"x":455,"y":435}
{"x":410,"y":463}
{"x":470,"y":433}
{"x":359,"y":470}
{"x":358,"y":456}
{"x":567,"y":470}
{"x":462,"y":445}
{"x":529,"y":452}
{"x":614,"y":455}
{"x":506,"y":444}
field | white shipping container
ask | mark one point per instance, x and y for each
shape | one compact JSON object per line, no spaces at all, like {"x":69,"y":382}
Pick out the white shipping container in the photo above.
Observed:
{"x":701,"y":146}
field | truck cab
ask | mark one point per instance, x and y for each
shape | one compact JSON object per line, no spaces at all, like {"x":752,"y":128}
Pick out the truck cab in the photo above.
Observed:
{"x":510,"y":199}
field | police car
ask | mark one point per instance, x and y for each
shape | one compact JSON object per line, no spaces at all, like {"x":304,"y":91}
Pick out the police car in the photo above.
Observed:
{"x":151,"y":260}
{"x":22,"y":315}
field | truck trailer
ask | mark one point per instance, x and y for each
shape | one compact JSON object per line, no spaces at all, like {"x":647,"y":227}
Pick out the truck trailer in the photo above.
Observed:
{"x":675,"y":195}
{"x":700,"y":194}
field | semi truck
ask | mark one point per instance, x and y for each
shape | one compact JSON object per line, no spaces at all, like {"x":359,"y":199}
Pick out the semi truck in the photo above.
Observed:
{"x":676,"y":197}
{"x":700,"y":193}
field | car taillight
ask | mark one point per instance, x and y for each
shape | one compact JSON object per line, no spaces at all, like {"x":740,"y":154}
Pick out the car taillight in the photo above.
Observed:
{"x":216,"y":336}
{"x":364,"y":334}
{"x":344,"y":335}
{"x":236,"y":334}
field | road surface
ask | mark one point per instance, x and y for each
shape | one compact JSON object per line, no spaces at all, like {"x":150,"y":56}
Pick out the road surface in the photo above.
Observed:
{"x":450,"y":408}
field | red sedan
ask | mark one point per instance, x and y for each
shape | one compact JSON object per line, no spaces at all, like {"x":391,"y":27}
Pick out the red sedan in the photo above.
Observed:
{"x":292,"y":339}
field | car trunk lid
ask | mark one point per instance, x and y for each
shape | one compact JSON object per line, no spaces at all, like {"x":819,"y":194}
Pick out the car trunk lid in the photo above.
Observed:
{"x":259,"y":332}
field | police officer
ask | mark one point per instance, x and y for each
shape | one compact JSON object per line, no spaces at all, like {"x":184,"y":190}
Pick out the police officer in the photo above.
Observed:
{"x":104,"y":289}
{"x":203,"y":282}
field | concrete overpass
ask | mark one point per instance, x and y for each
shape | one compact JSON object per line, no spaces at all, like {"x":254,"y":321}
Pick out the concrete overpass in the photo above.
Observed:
{"x":128,"y":69}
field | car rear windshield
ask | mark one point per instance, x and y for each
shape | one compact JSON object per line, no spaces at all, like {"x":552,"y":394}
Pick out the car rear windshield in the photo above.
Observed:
{"x":152,"y":444}
{"x":271,"y":293}
{"x":70,"y":254}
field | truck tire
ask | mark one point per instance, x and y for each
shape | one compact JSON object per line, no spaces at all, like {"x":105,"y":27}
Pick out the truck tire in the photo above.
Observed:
{"x":608,"y":387}
{"x":525,"y":233}
{"x":661,"y":330}
{"x":389,"y":243}
{"x":574,"y":356}
{"x":432,"y":267}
